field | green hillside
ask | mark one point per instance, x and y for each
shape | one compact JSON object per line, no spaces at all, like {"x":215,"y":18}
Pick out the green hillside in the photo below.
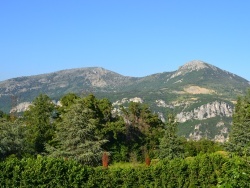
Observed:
{"x":193,"y":85}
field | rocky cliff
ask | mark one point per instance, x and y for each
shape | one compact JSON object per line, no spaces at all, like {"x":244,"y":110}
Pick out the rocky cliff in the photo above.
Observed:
{"x":206,"y":111}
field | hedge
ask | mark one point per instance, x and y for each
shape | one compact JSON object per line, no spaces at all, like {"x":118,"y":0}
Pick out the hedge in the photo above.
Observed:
{"x":208,"y":170}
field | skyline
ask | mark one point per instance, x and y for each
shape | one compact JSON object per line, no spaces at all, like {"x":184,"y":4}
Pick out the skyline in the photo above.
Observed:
{"x":123,"y":74}
{"x":131,"y":38}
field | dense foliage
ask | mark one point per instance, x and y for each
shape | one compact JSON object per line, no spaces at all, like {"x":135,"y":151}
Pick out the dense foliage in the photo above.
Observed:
{"x":63,"y":145}
{"x":170,"y":145}
{"x":39,"y":119}
{"x":81,"y":128}
{"x":239,"y":141}
{"x":208,"y":170}
{"x":75,"y":137}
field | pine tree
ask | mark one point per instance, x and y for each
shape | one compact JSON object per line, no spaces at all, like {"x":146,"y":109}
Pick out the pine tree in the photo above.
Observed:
{"x":170,"y":145}
{"x":39,"y":120}
{"x":239,"y":138}
{"x":76,"y":137}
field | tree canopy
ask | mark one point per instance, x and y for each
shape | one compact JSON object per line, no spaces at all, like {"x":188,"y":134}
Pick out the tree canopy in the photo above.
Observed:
{"x":39,"y":119}
{"x":170,"y":144}
{"x":239,"y":139}
{"x":75,"y":136}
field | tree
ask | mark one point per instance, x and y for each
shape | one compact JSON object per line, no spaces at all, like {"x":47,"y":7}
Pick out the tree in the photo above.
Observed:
{"x":194,"y":147}
{"x":40,"y":123}
{"x":66,"y":101}
{"x":114,"y":132}
{"x":12,"y":140}
{"x":1,"y":113}
{"x":76,"y":138}
{"x":105,"y":107}
{"x":143,"y":129}
{"x":170,"y":144}
{"x":239,"y":138}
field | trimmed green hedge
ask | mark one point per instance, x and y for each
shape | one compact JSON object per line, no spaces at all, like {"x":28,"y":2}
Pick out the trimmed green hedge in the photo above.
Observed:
{"x":211,"y":170}
{"x":43,"y":172}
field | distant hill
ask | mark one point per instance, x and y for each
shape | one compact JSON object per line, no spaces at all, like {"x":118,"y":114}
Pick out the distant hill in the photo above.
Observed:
{"x":201,"y":94}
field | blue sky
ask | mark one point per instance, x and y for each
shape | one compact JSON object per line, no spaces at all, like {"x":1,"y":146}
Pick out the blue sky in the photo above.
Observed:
{"x":131,"y":37}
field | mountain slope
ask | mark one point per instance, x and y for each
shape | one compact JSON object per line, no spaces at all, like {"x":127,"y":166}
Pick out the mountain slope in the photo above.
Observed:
{"x":201,"y":94}
{"x":59,"y":83}
{"x":201,"y":74}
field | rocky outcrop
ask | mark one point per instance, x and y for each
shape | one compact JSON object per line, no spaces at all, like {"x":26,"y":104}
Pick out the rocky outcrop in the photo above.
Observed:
{"x":116,"y":105}
{"x":21,"y":107}
{"x":194,"y":65}
{"x":206,"y":111}
{"x":200,"y":132}
{"x":162,"y":103}
{"x":126,"y":100}
{"x":197,"y":133}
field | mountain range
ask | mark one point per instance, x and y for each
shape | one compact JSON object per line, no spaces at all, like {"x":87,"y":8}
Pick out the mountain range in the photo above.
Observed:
{"x":201,"y":95}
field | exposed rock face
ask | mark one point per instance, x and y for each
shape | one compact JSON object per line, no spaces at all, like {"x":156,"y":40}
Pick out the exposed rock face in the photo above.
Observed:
{"x":162,"y":103}
{"x":126,"y":100}
{"x":195,"y":65}
{"x":173,"y":104}
{"x":207,"y":111}
{"x":116,"y":110}
{"x":198,"y":133}
{"x":136,"y":99}
{"x":223,"y":135}
{"x":21,"y":107}
{"x":161,"y":117}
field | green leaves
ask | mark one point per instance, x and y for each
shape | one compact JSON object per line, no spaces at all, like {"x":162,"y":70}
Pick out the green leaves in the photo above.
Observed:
{"x":207,"y":170}
{"x":12,"y":140}
{"x":40,"y":123}
{"x":239,"y":140}
{"x":43,"y":172}
{"x":171,"y":145}
{"x":143,"y":129}
{"x":76,"y":136}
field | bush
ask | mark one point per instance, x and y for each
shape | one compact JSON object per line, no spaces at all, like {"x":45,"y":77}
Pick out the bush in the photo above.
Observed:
{"x":42,"y":172}
{"x":208,"y":170}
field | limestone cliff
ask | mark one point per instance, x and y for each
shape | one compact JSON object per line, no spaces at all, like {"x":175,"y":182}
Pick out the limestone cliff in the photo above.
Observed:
{"x":206,"y":111}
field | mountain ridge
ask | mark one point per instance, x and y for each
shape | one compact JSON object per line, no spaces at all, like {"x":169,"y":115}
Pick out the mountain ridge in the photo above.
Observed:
{"x":196,"y":76}
{"x":198,"y":92}
{"x":187,"y":64}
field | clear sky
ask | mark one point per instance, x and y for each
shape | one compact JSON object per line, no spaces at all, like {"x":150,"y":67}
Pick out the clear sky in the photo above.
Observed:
{"x":130,"y":37}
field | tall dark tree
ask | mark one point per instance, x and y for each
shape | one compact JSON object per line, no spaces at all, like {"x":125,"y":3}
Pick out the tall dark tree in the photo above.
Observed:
{"x":66,"y":101}
{"x":76,"y":137}
{"x":1,"y":113}
{"x":143,"y":128}
{"x":239,"y":138}
{"x":171,"y":145}
{"x":40,"y":123}
{"x":105,"y":107}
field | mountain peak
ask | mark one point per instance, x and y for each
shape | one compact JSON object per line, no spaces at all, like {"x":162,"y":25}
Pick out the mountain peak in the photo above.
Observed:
{"x":195,"y":65}
{"x":191,"y":66}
